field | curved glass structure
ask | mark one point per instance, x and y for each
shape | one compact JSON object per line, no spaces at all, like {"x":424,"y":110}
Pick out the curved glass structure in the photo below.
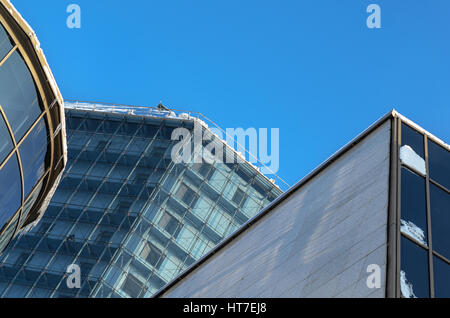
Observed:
{"x":32,"y":132}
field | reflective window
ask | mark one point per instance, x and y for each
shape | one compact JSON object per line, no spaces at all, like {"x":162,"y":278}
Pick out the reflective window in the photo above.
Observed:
{"x":10,"y":190}
{"x":18,"y":95}
{"x":32,"y":153}
{"x":170,"y":224}
{"x":152,"y":255}
{"x":29,"y":204}
{"x":5,"y":43}
{"x":132,"y":286}
{"x":414,"y":270}
{"x":9,"y":232}
{"x":414,"y":217}
{"x":440,"y":220}
{"x":441,"y":278}
{"x":187,"y":195}
{"x":6,"y":144}
{"x":439,"y":160}
{"x":413,"y":139}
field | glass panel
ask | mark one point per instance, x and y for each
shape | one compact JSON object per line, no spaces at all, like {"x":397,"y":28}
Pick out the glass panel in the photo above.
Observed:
{"x":10,"y":190}
{"x":7,"y":235}
{"x":440,"y":220}
{"x":413,"y":139}
{"x":414,"y":219}
{"x":6,"y":144}
{"x":414,"y":275}
{"x":32,"y":154}
{"x":18,"y":95}
{"x":5,"y":43}
{"x":441,"y":278}
{"x":29,"y":204}
{"x":439,"y":159}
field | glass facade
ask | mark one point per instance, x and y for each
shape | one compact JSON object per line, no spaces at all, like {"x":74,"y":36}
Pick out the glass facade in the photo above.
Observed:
{"x":130,"y":217}
{"x":425,"y":217}
{"x":28,"y":153}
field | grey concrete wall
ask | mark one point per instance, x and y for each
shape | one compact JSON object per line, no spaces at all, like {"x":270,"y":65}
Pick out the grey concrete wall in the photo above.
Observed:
{"x":317,"y":243}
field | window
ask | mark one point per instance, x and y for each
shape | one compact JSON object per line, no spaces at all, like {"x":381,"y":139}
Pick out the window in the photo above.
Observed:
{"x":204,"y":169}
{"x":238,"y":197}
{"x":414,"y":280}
{"x":187,"y":195}
{"x":33,"y":152}
{"x":10,"y":192}
{"x":45,"y":227}
{"x":18,"y":95}
{"x":152,"y":255}
{"x":413,"y":203}
{"x":414,"y":139}
{"x":101,"y":145}
{"x":439,"y":161}
{"x":6,"y":43}
{"x":104,"y":237}
{"x":440,"y":220}
{"x":123,"y":206}
{"x":132,"y":286}
{"x":6,"y":144}
{"x":170,"y":224}
{"x":441,"y":278}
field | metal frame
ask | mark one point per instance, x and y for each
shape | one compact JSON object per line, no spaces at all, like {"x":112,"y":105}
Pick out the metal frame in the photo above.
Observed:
{"x":26,"y":43}
{"x":393,"y":287}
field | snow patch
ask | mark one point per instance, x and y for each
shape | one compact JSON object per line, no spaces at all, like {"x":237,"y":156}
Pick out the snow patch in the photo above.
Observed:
{"x":409,"y":228}
{"x":406,"y":287}
{"x":409,"y":157}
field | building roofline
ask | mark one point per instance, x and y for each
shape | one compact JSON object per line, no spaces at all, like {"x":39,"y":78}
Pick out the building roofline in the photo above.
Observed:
{"x":171,"y":115}
{"x":267,"y":210}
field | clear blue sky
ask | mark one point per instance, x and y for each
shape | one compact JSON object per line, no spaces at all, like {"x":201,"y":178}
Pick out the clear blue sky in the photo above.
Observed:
{"x":309,"y":67}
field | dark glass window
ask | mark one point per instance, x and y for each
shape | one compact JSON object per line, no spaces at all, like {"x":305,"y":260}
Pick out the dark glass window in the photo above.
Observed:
{"x":5,"y":43}
{"x":187,"y":195}
{"x":18,"y":95}
{"x":439,"y":161}
{"x":152,"y":255}
{"x":414,"y":217}
{"x":170,"y":224}
{"x":441,"y":278}
{"x":440,"y":220}
{"x":6,"y":144}
{"x":414,"y":267}
{"x":238,"y":196}
{"x":29,"y":204}
{"x":204,"y":169}
{"x":413,"y":139}
{"x":132,"y":286}
{"x":32,"y":153}
{"x":9,"y":232}
{"x":10,"y":190}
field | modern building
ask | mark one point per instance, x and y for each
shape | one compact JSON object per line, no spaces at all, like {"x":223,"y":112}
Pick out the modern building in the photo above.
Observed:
{"x":372,"y":221}
{"x":125,"y":212}
{"x":32,"y":130}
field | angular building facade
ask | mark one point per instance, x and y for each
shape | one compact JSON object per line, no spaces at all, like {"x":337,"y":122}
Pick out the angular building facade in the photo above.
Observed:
{"x":372,"y":221}
{"x":32,"y":130}
{"x":125,"y":213}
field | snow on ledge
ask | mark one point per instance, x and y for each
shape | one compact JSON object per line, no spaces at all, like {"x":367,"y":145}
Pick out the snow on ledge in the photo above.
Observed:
{"x":409,"y":157}
{"x":412,"y":230}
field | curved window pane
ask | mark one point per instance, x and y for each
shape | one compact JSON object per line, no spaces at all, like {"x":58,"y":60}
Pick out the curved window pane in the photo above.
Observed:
{"x":440,"y":220}
{"x":18,"y":95}
{"x":414,"y":279}
{"x":414,"y":217}
{"x":29,"y":204}
{"x":441,"y":278}
{"x":6,"y":144}
{"x":5,"y":43}
{"x":10,"y":190}
{"x":7,"y":235}
{"x":32,"y":154}
{"x":439,"y":164}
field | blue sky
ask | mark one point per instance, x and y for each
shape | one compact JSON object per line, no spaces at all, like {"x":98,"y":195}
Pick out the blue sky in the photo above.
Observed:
{"x":311,"y":68}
